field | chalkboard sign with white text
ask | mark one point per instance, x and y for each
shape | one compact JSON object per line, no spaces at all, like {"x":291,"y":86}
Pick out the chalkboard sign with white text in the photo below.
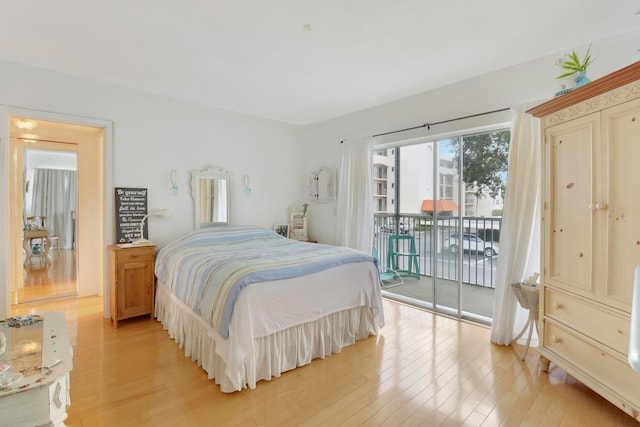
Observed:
{"x":131,"y":207}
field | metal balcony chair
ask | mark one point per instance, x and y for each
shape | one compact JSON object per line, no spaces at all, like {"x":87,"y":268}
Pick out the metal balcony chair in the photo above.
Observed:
{"x":388,"y":278}
{"x":403,"y":246}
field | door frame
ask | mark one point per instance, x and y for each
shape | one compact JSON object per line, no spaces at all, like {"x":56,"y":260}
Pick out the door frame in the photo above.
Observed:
{"x":8,"y":230}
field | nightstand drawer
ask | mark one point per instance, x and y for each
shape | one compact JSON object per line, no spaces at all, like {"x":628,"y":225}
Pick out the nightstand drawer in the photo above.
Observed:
{"x":136,"y":254}
{"x":599,"y":323}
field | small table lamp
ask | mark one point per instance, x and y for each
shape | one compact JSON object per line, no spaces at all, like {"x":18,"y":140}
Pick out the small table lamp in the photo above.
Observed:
{"x":161,"y":213}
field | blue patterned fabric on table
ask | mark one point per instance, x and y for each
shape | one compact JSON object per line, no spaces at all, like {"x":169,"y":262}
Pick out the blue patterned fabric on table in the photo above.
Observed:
{"x":207,"y":268}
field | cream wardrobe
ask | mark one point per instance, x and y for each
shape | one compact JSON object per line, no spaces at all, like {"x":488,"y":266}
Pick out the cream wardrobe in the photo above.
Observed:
{"x":591,"y":233}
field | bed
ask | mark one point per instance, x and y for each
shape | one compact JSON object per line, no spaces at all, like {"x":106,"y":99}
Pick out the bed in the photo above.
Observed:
{"x":248,"y":304}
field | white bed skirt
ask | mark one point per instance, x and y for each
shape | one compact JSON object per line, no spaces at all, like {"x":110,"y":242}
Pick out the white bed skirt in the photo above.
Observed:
{"x":273,"y":354}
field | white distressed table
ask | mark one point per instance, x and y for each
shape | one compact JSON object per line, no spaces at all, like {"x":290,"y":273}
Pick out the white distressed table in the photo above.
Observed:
{"x":41,"y":358}
{"x":27,"y":244}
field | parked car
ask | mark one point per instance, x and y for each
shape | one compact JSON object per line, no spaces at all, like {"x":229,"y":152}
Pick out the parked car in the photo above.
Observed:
{"x":390,"y":227}
{"x":470,"y":243}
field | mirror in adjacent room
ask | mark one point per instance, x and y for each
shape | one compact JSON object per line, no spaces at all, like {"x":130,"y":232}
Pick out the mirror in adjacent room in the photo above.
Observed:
{"x":49,"y":208}
{"x":210,"y":191}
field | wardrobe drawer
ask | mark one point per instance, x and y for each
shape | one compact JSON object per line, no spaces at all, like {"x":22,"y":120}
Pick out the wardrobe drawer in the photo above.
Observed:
{"x":611,"y":371}
{"x":595,"y":321}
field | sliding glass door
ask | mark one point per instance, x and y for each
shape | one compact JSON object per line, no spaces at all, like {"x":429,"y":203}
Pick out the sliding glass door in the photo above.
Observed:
{"x":417,"y":197}
{"x":422,"y":192}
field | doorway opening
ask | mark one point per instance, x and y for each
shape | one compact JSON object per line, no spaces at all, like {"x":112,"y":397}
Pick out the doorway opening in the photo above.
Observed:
{"x":49,"y":206}
{"x":57,"y":209}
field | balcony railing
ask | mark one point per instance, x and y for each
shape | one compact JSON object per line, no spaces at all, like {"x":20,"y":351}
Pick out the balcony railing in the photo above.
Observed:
{"x":439,"y":245}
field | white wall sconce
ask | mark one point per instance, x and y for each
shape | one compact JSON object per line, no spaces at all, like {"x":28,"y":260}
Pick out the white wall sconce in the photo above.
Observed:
{"x":246,"y":185}
{"x":174,"y":184}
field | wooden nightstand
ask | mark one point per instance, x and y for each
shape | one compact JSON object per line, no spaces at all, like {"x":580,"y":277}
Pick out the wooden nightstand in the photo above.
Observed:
{"x":132,"y":282}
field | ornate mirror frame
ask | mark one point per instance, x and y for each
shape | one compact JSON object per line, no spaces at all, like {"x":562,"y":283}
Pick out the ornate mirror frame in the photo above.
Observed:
{"x":323,"y":185}
{"x":210,"y":192}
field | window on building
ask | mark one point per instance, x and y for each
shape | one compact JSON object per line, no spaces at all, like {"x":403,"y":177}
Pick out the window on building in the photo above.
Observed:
{"x":446,"y":186}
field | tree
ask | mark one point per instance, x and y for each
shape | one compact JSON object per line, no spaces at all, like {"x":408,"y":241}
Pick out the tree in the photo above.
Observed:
{"x":485,"y":158}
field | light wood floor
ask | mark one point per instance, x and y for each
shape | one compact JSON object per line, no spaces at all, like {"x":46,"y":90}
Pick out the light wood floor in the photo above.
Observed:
{"x":53,"y":280}
{"x":422,"y":370}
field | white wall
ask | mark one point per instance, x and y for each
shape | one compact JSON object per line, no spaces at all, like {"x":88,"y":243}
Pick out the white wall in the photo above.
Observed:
{"x":153,"y":135}
{"x":530,"y":82}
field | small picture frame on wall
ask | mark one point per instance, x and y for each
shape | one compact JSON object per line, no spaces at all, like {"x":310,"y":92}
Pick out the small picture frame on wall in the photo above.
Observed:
{"x":282,"y":229}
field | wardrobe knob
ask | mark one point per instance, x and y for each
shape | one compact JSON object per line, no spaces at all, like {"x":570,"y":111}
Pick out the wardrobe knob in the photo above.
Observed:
{"x":598,"y":206}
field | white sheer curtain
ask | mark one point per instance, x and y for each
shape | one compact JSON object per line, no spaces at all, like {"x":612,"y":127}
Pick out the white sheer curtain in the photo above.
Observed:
{"x":55,"y":197}
{"x":354,"y":227}
{"x":519,"y":238}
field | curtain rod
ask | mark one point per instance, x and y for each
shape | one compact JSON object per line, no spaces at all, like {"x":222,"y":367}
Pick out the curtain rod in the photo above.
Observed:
{"x":428,"y":125}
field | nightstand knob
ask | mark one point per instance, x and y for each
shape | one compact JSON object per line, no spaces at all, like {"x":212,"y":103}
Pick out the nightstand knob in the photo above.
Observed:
{"x":557,"y":305}
{"x":556,"y":339}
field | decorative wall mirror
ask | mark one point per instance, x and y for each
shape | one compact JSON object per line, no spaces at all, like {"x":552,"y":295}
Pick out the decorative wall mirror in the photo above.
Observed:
{"x":210,"y":191}
{"x":322,"y":185}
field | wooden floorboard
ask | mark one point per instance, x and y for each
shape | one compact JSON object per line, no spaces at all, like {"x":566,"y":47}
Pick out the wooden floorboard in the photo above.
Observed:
{"x":422,"y":369}
{"x":54,"y":279}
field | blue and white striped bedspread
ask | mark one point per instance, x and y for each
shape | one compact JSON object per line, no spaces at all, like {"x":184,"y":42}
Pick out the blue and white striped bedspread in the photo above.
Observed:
{"x":207,"y":268}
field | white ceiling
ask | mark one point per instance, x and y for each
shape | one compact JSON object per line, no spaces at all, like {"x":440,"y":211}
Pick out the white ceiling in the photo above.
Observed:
{"x":298,"y":61}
